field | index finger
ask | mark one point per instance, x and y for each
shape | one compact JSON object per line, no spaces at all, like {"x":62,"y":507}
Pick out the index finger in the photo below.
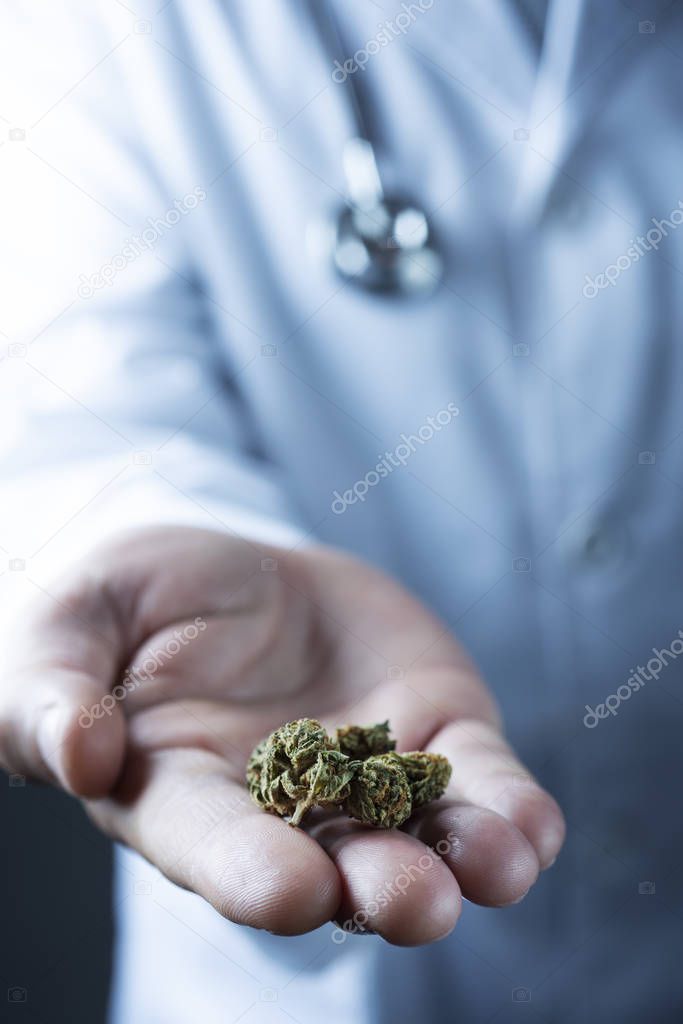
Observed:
{"x":184,"y":812}
{"x":487,"y":773}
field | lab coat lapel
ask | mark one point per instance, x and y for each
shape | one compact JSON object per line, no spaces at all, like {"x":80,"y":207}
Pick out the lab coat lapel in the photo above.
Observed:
{"x":481,"y":46}
{"x":588,"y":48}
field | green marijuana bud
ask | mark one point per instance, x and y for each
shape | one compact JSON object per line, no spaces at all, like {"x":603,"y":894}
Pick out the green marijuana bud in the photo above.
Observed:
{"x":380,"y":792}
{"x":277,"y":772}
{"x":299,"y":767}
{"x":428,"y":775}
{"x":361,"y":742}
{"x":327,"y":782}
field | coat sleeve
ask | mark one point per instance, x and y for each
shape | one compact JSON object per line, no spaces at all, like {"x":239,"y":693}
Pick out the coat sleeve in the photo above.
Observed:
{"x":118,"y":405}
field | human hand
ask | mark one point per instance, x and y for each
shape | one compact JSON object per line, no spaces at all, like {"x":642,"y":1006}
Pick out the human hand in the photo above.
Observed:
{"x":254,"y":645}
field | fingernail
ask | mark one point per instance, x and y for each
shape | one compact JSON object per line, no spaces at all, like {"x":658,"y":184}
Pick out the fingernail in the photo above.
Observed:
{"x":50,"y":738}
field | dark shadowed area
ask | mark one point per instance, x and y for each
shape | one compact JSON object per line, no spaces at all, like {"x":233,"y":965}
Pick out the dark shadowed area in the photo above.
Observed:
{"x":55,"y":942}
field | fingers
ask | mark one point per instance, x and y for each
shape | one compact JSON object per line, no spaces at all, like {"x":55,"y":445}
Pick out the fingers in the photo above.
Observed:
{"x":57,"y":719}
{"x":439,"y":709}
{"x":183,"y":811}
{"x":495,"y":865}
{"x":43,"y":734}
{"x":422,"y":703}
{"x":60,"y":720}
{"x":392,"y":884}
{"x":487,"y":773}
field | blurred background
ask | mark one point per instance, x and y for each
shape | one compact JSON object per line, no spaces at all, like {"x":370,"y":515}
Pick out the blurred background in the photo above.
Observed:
{"x":55,"y":945}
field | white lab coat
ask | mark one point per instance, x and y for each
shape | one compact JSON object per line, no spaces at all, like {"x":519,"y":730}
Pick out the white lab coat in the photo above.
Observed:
{"x":224,"y":376}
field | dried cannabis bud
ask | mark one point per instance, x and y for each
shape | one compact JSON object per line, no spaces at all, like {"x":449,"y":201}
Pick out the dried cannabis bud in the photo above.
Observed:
{"x":327,"y":782}
{"x":428,"y":775}
{"x":299,"y":767}
{"x":277,"y":770}
{"x":380,"y":792}
{"x":361,"y":742}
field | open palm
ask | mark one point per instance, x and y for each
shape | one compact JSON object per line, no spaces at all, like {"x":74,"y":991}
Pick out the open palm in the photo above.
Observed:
{"x":224,"y":641}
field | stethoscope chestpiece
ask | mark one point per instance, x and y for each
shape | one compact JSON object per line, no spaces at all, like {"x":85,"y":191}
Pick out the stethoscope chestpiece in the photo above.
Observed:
{"x":387,"y":248}
{"x":382,"y":243}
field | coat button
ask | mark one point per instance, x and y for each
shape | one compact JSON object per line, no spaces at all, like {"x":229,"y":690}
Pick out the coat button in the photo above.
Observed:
{"x":600,"y":544}
{"x":605,"y":545}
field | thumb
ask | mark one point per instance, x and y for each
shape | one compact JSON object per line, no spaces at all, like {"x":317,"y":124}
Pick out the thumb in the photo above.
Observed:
{"x":58,"y":719}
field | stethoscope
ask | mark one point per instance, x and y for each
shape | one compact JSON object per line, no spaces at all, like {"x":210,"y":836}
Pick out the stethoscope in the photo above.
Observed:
{"x":379,"y":242}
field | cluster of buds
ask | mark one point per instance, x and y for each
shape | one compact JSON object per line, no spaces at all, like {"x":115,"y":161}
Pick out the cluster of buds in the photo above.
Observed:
{"x":300,"y":766}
